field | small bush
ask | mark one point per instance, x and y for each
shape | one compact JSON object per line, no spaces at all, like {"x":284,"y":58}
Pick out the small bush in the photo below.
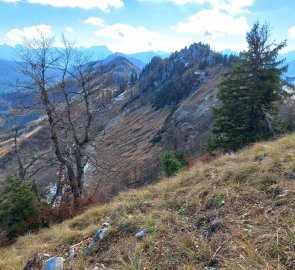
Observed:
{"x":172,"y":162}
{"x":18,"y":211}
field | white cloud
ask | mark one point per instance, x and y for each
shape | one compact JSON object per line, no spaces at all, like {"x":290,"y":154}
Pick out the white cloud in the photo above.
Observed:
{"x":104,"y":5}
{"x":230,"y":6}
{"x":129,"y":39}
{"x":69,"y":29}
{"x":16,"y":35}
{"x":291,"y":32}
{"x":213,"y":23}
{"x":95,"y":21}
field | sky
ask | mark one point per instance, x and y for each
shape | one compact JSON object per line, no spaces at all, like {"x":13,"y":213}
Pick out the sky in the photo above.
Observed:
{"x":131,"y":26}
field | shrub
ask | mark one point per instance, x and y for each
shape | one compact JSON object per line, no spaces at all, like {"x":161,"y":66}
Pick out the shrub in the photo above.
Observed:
{"x":172,"y":162}
{"x":18,"y":211}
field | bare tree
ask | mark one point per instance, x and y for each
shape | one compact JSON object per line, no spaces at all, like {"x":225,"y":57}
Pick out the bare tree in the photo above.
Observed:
{"x":29,"y":162}
{"x":63,"y":82}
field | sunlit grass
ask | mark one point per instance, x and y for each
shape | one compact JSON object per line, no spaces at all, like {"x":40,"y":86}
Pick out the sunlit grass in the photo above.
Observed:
{"x":236,"y":212}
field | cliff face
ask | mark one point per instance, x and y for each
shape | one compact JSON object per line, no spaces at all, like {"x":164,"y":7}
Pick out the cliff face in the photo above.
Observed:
{"x":186,"y":82}
{"x":189,"y":125}
{"x":160,"y":73}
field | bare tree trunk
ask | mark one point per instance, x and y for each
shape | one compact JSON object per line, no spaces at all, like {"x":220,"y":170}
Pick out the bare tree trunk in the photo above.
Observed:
{"x":21,"y":169}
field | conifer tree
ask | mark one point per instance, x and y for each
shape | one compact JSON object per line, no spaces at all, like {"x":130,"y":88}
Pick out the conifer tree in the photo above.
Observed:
{"x":249,"y":94}
{"x":18,"y":211}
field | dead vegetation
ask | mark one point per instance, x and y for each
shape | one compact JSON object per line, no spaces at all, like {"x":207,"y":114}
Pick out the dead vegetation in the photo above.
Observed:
{"x":235,"y":212}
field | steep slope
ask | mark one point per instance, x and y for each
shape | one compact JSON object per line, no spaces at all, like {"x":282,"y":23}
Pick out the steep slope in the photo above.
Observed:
{"x":235,"y":212}
{"x":109,"y":81}
{"x":128,"y":151}
{"x":156,"y":116}
{"x":188,"y":128}
{"x":168,"y":107}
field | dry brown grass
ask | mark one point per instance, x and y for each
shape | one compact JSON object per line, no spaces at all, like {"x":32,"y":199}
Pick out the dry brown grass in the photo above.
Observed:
{"x":236,"y":212}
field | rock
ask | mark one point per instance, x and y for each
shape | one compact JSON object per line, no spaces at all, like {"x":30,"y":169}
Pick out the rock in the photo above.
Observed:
{"x":262,"y":159}
{"x":142,"y":233}
{"x":71,"y":256}
{"x":89,"y":248}
{"x":54,"y":263}
{"x":106,"y":225}
{"x":100,"y":234}
{"x":212,"y":228}
{"x":290,"y":175}
{"x":35,"y":263}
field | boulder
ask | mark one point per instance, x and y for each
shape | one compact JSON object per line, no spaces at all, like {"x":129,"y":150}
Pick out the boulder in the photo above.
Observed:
{"x":54,"y":263}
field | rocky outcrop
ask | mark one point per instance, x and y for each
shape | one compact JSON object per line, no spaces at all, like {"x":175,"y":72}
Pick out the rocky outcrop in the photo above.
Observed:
{"x":188,"y":127}
{"x":160,"y":73}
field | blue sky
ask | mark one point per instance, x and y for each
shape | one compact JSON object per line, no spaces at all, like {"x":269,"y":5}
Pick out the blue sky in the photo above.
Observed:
{"x":140,"y":25}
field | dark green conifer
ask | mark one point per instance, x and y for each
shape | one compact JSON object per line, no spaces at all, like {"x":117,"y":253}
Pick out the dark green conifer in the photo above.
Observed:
{"x":249,"y":94}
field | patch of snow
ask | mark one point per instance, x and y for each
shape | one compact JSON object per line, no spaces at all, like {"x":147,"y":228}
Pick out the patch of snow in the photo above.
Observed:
{"x":88,"y":170}
{"x":119,"y":98}
{"x":111,"y":122}
{"x":51,"y":191}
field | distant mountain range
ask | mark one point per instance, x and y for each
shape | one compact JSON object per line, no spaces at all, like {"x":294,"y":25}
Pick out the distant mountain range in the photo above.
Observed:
{"x":9,"y":57}
{"x":229,"y":51}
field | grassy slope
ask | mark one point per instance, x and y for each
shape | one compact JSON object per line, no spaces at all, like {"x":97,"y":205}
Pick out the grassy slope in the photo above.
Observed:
{"x":254,"y":229}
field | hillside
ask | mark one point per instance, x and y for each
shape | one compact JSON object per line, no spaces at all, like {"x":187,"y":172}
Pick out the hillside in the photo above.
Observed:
{"x":235,"y":212}
{"x":168,"y":106}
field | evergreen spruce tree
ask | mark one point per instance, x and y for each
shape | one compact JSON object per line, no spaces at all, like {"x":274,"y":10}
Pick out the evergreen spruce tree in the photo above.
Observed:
{"x":249,"y":94}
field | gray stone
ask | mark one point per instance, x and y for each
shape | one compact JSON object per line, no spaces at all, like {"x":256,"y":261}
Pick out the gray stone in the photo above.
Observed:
{"x":89,"y":248}
{"x":54,"y":263}
{"x":35,"y":263}
{"x":100,"y":234}
{"x":142,"y":233}
{"x":71,"y":256}
{"x":290,"y":175}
